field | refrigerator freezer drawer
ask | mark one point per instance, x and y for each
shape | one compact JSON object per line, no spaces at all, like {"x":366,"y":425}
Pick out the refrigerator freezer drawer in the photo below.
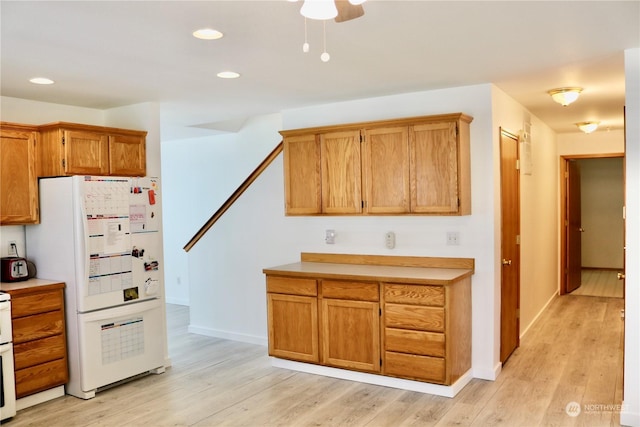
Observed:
{"x":119,"y":343}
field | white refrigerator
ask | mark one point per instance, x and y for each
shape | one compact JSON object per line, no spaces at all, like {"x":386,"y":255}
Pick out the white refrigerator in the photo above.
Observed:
{"x":102,"y":237}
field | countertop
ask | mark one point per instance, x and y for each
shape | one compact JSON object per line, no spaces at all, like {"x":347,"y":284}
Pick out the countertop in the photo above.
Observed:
{"x":378,"y":273}
{"x":28,"y":285}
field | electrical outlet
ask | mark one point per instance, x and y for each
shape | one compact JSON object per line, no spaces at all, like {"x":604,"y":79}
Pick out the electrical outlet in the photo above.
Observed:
{"x":13,"y":248}
{"x":453,"y":238}
{"x":330,"y":237}
{"x":390,"y":240}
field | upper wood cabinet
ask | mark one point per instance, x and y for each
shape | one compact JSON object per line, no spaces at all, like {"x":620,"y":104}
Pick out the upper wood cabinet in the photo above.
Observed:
{"x":74,"y":149}
{"x":386,"y":170}
{"x":302,"y":180}
{"x":341,"y":177}
{"x":418,"y":165}
{"x":18,"y":178}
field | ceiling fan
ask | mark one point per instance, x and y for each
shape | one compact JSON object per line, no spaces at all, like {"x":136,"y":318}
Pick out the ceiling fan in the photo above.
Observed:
{"x":340,"y":10}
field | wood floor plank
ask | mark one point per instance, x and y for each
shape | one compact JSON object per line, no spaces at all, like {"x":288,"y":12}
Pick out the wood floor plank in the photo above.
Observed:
{"x":572,"y":354}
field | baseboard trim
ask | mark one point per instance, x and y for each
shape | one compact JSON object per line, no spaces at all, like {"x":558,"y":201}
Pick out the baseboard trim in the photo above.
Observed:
{"x":418,"y":386}
{"x":628,"y":418}
{"x":233,"y":336}
{"x":36,"y":399}
{"x":535,"y":319}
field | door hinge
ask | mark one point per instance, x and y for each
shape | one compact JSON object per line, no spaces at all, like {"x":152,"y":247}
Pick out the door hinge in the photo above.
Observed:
{"x":456,"y":129}
{"x":518,"y":164}
{"x":518,"y":313}
{"x":63,"y":140}
{"x":518,"y":239}
{"x":63,"y":163}
{"x":361,"y":138}
{"x":379,"y":312}
{"x":381,"y":361}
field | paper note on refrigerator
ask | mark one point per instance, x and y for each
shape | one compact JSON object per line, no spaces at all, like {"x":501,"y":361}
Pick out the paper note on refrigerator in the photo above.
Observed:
{"x":116,"y":236}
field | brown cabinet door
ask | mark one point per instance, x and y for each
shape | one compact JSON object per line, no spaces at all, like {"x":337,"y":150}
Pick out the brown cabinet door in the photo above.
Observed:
{"x":86,"y":153}
{"x":434,"y":168}
{"x":386,"y":170}
{"x":341,"y":179}
{"x":351,"y":334}
{"x":293,"y":327}
{"x":302,"y":175}
{"x":18,"y":180}
{"x":127,"y":155}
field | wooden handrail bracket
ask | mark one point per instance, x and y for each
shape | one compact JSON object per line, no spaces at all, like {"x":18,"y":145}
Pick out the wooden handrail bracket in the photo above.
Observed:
{"x":236,"y":194}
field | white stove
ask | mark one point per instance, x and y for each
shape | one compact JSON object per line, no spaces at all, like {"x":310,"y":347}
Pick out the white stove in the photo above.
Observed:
{"x":7,"y":376}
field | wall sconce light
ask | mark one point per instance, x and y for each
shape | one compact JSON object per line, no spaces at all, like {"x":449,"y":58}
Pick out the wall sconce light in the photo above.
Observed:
{"x":565,"y":95}
{"x":587,"y":127}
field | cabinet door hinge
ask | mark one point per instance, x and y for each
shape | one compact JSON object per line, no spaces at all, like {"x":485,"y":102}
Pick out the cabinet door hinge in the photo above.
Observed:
{"x":361,"y":138}
{"x":518,"y":313}
{"x":63,"y":163}
{"x":456,"y":129}
{"x":63,"y":140}
{"x":518,"y":164}
{"x":381,"y":361}
{"x":380,"y":312}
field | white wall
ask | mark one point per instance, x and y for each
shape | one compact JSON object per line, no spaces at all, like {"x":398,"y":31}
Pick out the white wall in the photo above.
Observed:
{"x":631,"y":405}
{"x":538,"y":209}
{"x":227,"y":284}
{"x":201,"y":173}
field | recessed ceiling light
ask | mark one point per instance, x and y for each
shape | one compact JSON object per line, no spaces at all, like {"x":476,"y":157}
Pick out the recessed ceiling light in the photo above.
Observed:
{"x":228,"y":75}
{"x":207,"y":34}
{"x":41,"y":81}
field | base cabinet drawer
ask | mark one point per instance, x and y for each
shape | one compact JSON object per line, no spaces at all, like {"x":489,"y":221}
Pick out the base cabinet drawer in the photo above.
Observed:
{"x":39,"y":351}
{"x":424,"y":368}
{"x":41,"y":377}
{"x":415,"y":317}
{"x":415,"y":342}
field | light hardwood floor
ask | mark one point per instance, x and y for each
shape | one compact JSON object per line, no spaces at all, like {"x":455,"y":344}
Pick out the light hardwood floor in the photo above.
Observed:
{"x":600,"y":283}
{"x":572,"y":354}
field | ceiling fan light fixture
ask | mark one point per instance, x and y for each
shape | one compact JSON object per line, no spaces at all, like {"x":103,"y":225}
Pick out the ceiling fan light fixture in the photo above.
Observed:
{"x":588,"y":127}
{"x":319,"y":9}
{"x":565,"y":95}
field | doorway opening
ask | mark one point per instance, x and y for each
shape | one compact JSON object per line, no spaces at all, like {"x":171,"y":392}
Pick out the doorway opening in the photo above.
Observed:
{"x":592,"y":229}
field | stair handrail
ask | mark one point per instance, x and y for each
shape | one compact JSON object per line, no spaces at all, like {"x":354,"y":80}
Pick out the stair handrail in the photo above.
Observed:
{"x":236,"y":194}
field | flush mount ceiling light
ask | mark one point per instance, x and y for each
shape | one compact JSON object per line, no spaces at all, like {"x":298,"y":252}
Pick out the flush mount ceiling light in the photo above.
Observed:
{"x":41,"y":81}
{"x":588,"y":127}
{"x":228,"y":75}
{"x":565,"y":95}
{"x":207,"y":34}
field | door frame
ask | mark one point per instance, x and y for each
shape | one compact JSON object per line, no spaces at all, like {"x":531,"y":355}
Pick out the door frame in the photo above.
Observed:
{"x":564,"y":162}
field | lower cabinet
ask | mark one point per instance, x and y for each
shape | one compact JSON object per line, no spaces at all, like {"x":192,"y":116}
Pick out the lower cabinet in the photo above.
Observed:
{"x":39,"y":339}
{"x":411,"y":331}
{"x":350,"y":331}
{"x":292,"y":317}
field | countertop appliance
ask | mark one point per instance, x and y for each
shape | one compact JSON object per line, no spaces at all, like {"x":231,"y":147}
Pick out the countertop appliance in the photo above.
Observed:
{"x":7,"y":375}
{"x":14,"y":269}
{"x":102,"y":237}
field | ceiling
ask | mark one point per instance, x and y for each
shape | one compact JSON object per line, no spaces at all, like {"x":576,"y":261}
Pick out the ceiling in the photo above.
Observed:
{"x":105,"y":54}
